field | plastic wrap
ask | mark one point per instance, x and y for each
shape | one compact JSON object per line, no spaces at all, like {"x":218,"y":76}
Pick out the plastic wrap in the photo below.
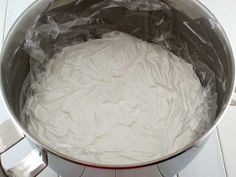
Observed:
{"x":65,"y":23}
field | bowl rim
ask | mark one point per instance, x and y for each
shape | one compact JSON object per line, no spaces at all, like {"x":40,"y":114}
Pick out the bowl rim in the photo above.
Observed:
{"x":188,"y":147}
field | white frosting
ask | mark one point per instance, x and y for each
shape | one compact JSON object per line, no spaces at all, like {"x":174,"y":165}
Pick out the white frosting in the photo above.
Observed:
{"x":116,"y":100}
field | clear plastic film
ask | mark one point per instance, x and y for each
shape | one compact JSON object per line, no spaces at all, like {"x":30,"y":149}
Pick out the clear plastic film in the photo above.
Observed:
{"x":65,"y":23}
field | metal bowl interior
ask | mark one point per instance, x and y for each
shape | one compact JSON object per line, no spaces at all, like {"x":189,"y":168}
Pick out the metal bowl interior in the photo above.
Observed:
{"x":218,"y":56}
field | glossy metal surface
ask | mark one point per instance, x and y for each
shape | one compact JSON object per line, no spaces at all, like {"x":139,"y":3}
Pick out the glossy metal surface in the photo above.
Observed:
{"x":31,"y":165}
{"x":14,"y":68}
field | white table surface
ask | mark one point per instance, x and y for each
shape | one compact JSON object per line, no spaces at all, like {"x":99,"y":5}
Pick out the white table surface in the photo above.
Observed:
{"x":218,"y":158}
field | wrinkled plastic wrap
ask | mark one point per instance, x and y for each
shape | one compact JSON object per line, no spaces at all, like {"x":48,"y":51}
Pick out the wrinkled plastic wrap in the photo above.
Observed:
{"x":65,"y":23}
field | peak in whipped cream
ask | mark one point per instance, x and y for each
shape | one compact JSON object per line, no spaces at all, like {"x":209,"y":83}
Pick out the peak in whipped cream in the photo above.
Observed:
{"x":116,"y":100}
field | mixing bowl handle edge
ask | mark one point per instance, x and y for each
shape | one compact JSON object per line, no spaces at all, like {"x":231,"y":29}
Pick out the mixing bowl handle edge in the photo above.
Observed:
{"x":31,"y":165}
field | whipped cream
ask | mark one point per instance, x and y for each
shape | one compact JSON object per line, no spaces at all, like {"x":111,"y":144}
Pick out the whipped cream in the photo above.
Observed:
{"x":116,"y":100}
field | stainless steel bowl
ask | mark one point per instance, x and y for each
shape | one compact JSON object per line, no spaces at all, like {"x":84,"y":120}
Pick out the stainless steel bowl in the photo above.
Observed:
{"x":15,"y":67}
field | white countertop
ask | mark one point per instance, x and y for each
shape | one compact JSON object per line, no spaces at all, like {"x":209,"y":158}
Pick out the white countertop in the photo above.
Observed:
{"x":218,"y":157}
